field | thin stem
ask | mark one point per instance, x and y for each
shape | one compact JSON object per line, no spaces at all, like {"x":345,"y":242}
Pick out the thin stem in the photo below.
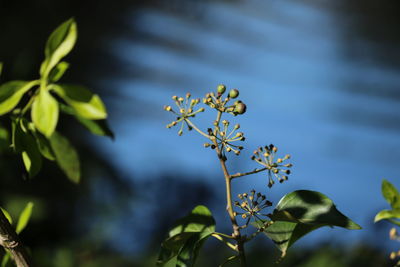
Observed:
{"x":236,"y":229}
{"x":10,"y":241}
{"x":224,"y":241}
{"x":224,"y":235}
{"x":197,"y":129}
{"x":247,"y":173}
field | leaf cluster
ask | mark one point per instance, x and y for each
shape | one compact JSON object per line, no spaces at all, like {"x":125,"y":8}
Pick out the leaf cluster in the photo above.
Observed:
{"x":34,"y":136}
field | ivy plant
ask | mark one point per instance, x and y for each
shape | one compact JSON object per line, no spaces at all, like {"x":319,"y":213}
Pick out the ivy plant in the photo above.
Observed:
{"x":33,"y":108}
{"x":296,"y":214}
{"x":392,"y":196}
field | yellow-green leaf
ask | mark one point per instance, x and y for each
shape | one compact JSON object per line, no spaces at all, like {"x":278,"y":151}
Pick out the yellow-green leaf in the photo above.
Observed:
{"x":84,"y":102}
{"x":7,"y":215}
{"x":24,"y":217}
{"x":58,"y":71}
{"x":391,"y":194}
{"x":387,"y":214}
{"x":59,"y":44}
{"x":11,"y":93}
{"x":44,"y":113}
{"x":66,"y":156}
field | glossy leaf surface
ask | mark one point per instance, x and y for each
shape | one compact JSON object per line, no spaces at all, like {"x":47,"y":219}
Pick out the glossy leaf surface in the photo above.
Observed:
{"x":44,"y":113}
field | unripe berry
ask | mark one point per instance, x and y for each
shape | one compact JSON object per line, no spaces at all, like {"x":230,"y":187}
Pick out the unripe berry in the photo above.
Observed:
{"x":221,"y":88}
{"x":233,"y":93}
{"x":240,"y":108}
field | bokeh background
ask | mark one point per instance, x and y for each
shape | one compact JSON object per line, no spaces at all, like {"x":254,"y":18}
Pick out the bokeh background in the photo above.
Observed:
{"x":320,"y":80}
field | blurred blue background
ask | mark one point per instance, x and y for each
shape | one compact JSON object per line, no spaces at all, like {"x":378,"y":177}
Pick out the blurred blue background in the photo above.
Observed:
{"x":320,"y":80}
{"x":311,"y":89}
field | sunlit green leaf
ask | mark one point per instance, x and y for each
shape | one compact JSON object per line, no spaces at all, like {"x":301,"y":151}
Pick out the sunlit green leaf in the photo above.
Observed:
{"x":310,"y":207}
{"x":97,"y":127}
{"x":301,"y":212}
{"x":387,"y":214}
{"x":58,"y":71}
{"x":391,"y":194}
{"x":85,"y":103}
{"x":45,"y":113}
{"x":186,"y":238}
{"x":59,"y":44}
{"x":7,"y":215}
{"x":66,"y":156}
{"x":11,"y":93}
{"x":24,"y":217}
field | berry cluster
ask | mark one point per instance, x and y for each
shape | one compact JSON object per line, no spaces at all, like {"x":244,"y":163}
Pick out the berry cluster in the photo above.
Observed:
{"x":225,"y":138}
{"x":252,"y":204}
{"x":185,"y":111}
{"x":215,"y":101}
{"x":266,"y":157}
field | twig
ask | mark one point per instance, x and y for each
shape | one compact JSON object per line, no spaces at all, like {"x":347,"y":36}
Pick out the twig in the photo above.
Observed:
{"x":11,"y":242}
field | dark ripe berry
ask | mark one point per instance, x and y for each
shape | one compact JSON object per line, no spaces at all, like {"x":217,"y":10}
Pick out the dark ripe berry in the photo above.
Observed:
{"x":233,"y":93}
{"x":240,"y":108}
{"x":221,"y":88}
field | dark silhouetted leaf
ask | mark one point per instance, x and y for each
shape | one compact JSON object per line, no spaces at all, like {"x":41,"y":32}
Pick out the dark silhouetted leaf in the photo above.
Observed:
{"x":66,"y":156}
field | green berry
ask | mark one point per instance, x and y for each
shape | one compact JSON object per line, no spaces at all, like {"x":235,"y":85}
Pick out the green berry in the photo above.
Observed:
{"x":221,"y":88}
{"x":240,"y":108}
{"x":233,"y":93}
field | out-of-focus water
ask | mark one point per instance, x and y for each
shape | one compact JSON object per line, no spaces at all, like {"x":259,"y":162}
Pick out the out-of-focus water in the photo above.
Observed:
{"x":304,"y":91}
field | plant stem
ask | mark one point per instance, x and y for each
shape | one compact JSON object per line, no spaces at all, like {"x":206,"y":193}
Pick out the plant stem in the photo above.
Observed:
{"x":10,"y":241}
{"x":236,"y":229}
{"x":247,"y":173}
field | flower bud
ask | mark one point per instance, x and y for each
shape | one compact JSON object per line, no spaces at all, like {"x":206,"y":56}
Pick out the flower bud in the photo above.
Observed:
{"x":180,"y":99}
{"x":201,"y":109}
{"x":175,"y":97}
{"x":237,"y":126}
{"x":221,"y":88}
{"x":167,"y":108}
{"x":188,"y":95}
{"x":206,"y":144}
{"x":180,"y":132}
{"x":240,"y":108}
{"x":233,"y":93}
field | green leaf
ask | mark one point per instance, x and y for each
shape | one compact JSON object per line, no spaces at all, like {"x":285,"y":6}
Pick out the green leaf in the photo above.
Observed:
{"x":97,"y":127}
{"x":44,"y":113}
{"x":391,"y":194}
{"x":284,"y":234}
{"x":1,"y":67}
{"x":59,"y":44}
{"x":186,"y":238}
{"x":187,"y":255}
{"x":58,"y":71}
{"x":310,"y":207}
{"x":300,"y":212}
{"x":24,"y":217}
{"x":44,"y":147}
{"x":4,"y":138}
{"x":387,"y":214}
{"x":7,"y":215}
{"x":5,"y":259}
{"x":25,"y":143}
{"x":85,"y":103}
{"x":12,"y":92}
{"x":66,"y":156}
